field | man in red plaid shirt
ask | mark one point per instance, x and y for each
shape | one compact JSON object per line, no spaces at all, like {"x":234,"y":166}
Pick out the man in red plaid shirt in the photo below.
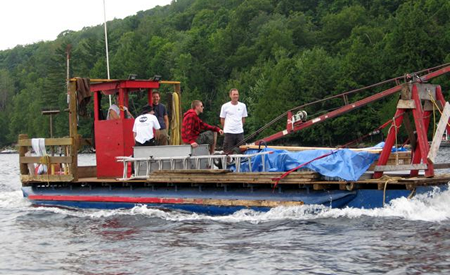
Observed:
{"x":194,"y":131}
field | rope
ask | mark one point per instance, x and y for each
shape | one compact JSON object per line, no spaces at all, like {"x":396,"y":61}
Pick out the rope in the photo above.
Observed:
{"x":388,"y":179}
{"x":343,"y":146}
{"x":45,"y":160}
{"x":434,"y":117}
{"x":175,"y":126}
{"x":384,"y":190}
{"x":300,"y":166}
{"x":396,"y":138}
{"x":413,"y":192}
{"x":435,"y":105}
{"x":366,"y":135}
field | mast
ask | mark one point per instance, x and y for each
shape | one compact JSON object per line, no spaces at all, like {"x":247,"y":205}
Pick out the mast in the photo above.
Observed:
{"x":68,"y":48}
{"x":106,"y":46}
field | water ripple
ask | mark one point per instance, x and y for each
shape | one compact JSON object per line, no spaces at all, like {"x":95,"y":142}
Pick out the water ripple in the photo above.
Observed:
{"x":405,"y":237}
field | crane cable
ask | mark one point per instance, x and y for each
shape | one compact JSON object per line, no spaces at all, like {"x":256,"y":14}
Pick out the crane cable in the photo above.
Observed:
{"x":396,"y":79}
{"x":300,"y":166}
{"x":436,"y":105}
{"x":277,"y":180}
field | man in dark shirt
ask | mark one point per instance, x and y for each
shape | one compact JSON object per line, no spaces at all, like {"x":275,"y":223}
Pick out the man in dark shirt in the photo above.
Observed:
{"x":163,"y":119}
{"x":194,"y":131}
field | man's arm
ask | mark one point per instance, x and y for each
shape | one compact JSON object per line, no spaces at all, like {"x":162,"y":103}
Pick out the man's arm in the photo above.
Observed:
{"x":222,"y":122}
{"x":245,"y":114}
{"x":156,"y":126}
{"x":128,"y":112}
{"x":206,"y":127}
{"x":166,"y":120}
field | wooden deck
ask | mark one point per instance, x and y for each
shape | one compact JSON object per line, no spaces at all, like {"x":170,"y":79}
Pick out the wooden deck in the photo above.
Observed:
{"x":304,"y":178}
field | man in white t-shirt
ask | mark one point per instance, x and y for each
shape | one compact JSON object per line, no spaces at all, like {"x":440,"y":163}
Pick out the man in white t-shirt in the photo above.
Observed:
{"x":232,"y":118}
{"x":143,"y":127}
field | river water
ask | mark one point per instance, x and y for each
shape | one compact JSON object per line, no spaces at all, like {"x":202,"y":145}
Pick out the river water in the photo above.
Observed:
{"x":406,"y":237}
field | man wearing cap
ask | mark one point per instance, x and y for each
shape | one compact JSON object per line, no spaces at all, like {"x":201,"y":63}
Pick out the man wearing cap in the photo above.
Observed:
{"x":145,"y":126}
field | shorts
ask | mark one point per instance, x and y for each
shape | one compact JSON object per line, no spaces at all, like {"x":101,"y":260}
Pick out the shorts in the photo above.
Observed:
{"x":230,"y":141}
{"x":150,"y":142}
{"x":206,"y":137}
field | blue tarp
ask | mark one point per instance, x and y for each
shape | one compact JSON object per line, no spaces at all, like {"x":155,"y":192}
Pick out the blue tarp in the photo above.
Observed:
{"x":343,"y":163}
{"x":394,"y":149}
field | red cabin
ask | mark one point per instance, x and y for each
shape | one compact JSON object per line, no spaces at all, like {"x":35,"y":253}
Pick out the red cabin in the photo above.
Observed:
{"x":115,"y":137}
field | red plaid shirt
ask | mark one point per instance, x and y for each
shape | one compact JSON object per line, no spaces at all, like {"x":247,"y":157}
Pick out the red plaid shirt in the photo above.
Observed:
{"x":192,"y":127}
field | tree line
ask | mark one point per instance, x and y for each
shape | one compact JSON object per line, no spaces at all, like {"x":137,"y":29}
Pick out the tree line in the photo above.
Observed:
{"x":278,"y":53}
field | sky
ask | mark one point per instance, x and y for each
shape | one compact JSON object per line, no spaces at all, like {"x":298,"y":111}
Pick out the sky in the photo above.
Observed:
{"x":24,"y":22}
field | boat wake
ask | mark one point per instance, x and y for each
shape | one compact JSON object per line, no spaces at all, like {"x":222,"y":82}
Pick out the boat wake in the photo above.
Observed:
{"x":13,"y":200}
{"x":430,"y":207}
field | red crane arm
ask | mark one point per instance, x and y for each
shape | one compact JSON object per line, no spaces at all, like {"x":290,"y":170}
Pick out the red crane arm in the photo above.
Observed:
{"x":349,"y":107}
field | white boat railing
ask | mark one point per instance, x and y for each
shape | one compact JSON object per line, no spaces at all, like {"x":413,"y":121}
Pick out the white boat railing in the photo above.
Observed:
{"x":187,"y":162}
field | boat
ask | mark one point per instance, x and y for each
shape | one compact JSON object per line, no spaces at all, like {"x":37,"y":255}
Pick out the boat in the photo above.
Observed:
{"x":445,"y":140}
{"x":9,"y":151}
{"x":261,"y":177}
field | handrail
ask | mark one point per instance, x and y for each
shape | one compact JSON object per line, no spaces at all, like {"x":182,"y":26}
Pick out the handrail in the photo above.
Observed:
{"x":51,"y":159}
{"x":48,"y":142}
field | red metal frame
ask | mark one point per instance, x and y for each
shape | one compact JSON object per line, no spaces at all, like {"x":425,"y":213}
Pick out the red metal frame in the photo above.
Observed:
{"x":417,"y":155}
{"x":344,"y":109}
{"x":302,"y":125}
{"x":422,"y":121}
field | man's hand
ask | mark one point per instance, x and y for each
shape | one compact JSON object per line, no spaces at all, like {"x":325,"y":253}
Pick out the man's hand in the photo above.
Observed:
{"x":194,"y":144}
{"x":221,"y":132}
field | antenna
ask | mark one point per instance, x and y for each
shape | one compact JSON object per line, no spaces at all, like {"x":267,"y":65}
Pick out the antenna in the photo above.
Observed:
{"x":68,"y":48}
{"x":106,"y":46}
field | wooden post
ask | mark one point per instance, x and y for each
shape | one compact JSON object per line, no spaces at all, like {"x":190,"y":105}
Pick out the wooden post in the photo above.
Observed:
{"x":96,"y":107}
{"x":177,"y":89}
{"x":22,"y":151}
{"x":73,"y":128}
{"x":442,"y":125}
{"x":441,"y":99}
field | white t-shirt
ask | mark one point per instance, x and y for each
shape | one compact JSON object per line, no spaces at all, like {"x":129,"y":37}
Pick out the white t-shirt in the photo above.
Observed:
{"x":114,"y":108}
{"x":143,"y":127}
{"x":233,"y":115}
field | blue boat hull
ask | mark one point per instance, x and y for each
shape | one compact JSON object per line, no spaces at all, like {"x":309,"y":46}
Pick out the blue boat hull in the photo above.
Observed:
{"x":198,"y":201}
